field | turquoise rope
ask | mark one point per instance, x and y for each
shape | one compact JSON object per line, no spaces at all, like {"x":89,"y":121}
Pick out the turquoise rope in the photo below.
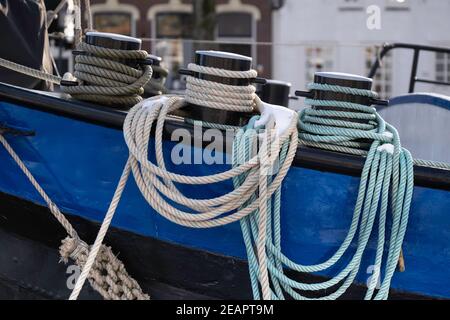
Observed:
{"x":383,"y":174}
{"x":387,"y":180}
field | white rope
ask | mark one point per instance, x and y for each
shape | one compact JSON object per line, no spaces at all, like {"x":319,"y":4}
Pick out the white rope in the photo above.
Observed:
{"x":77,"y":28}
{"x":38,"y":74}
{"x":50,"y":204}
{"x":153,"y":179}
{"x":220,"y":96}
{"x":158,"y":189}
{"x":101,"y":234}
{"x":157,"y":184}
{"x":107,"y":274}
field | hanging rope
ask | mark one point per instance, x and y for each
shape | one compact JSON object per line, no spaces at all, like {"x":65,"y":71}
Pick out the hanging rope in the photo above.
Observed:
{"x":78,"y":29}
{"x":108,"y":275}
{"x":157,"y":185}
{"x":388,"y":168}
{"x":88,"y":12}
{"x":53,"y":14}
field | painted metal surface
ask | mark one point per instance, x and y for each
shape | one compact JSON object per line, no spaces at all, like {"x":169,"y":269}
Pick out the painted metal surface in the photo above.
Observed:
{"x":79,"y":165}
{"x":422,"y":121}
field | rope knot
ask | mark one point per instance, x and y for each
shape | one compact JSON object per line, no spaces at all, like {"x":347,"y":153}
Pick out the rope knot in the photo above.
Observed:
{"x":108,"y":274}
{"x":73,"y":248}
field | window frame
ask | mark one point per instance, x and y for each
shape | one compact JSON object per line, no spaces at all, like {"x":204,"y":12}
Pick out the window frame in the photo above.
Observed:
{"x":252,"y":39}
{"x":445,"y":61}
{"x":331,"y":58}
{"x":120,"y":12}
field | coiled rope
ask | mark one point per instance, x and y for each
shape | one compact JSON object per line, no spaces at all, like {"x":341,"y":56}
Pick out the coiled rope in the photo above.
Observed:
{"x":110,"y":80}
{"x":349,"y":119}
{"x":388,"y":168}
{"x":220,"y":96}
{"x":157,"y":185}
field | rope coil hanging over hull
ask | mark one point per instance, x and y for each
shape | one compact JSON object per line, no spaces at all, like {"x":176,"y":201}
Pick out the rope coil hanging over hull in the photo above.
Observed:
{"x":256,"y":200}
{"x":157,"y":185}
{"x":387,"y":179}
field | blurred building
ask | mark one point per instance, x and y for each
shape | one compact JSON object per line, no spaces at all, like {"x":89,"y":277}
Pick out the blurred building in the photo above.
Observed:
{"x":291,"y":39}
{"x":334,"y":35}
{"x":166,"y":26}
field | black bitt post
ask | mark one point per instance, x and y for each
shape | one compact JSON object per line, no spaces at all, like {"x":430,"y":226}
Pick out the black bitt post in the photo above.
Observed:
{"x":220,"y":60}
{"x":275,"y":92}
{"x":117,"y":42}
{"x":343,"y":80}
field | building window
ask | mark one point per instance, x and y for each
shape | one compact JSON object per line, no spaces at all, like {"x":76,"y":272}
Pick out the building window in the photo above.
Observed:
{"x":174,"y":25}
{"x":114,"y":22}
{"x":237,"y":27}
{"x":173,"y":31}
{"x":318,"y":59}
{"x":442,"y":67}
{"x":382,"y":81}
{"x":235,"y":32}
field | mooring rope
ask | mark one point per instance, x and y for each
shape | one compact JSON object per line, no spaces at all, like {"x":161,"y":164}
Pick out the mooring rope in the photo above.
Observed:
{"x":108,"y":275}
{"x":220,"y":96}
{"x":38,"y":74}
{"x":348,"y":119}
{"x":157,"y":185}
{"x":110,"y":80}
{"x":388,"y":168}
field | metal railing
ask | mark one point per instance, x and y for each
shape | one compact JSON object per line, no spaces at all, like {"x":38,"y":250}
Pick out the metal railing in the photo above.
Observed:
{"x":417,"y":49}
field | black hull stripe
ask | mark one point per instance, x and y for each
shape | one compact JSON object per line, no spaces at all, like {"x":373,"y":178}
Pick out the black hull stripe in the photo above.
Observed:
{"x":29,"y":267}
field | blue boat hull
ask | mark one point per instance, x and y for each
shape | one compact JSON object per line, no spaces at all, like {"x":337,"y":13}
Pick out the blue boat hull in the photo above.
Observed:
{"x":79,"y":165}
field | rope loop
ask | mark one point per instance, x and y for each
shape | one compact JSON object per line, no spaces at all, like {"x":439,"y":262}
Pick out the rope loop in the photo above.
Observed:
{"x":341,"y":89}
